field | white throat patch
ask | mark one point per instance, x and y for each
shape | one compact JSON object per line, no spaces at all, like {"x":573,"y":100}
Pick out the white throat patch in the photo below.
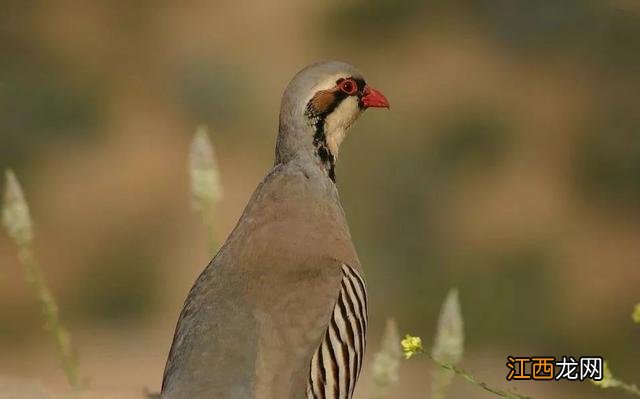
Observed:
{"x":339,"y":121}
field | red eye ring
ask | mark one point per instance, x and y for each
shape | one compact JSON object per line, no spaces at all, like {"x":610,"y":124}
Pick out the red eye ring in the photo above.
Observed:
{"x":348,"y":86}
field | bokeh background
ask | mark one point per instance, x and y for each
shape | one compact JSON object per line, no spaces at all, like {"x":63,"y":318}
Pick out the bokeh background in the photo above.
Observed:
{"x":509,"y":167}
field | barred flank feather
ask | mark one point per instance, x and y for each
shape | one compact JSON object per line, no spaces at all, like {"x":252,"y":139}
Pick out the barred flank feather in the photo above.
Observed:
{"x":336,"y":364}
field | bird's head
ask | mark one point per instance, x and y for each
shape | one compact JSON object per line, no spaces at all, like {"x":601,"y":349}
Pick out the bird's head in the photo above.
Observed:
{"x":318,"y":107}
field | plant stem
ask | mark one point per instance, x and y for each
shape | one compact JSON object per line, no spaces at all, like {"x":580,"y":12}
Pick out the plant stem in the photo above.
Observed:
{"x":628,"y":388}
{"x":209,"y":217}
{"x":53,"y":324}
{"x":470,"y":378}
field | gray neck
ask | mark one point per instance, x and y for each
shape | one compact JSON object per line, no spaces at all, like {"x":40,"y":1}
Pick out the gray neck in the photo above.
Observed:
{"x":303,"y":139}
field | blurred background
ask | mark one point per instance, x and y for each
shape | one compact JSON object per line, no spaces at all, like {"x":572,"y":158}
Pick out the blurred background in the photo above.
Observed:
{"x":509,"y":167}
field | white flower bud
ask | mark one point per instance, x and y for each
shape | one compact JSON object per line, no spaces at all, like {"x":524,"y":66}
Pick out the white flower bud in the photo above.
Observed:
{"x":206,"y":189}
{"x":15,"y":212}
{"x":387,"y":361}
{"x":448,"y":346}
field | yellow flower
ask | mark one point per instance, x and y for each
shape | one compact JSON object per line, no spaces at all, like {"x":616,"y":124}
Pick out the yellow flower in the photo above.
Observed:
{"x":636,"y":314}
{"x":411,"y":345}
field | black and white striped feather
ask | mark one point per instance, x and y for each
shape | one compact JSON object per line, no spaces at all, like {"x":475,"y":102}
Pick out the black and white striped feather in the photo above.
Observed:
{"x":336,"y":365}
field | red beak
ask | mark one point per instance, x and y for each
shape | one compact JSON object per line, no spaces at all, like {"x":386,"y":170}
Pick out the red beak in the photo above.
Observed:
{"x":372,"y":98}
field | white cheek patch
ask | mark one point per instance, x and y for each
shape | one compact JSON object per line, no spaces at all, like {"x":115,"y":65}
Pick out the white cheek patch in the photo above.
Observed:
{"x":339,"y":121}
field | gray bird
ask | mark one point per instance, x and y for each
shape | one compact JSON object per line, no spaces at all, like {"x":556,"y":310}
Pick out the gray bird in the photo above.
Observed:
{"x":281,"y":310}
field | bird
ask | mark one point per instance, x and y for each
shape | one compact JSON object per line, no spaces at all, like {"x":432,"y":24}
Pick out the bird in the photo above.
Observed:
{"x":281,"y":311}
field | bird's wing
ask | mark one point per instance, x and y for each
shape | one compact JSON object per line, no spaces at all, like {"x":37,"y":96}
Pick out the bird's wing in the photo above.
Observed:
{"x":270,"y":337}
{"x":215,"y":342}
{"x":336,"y":364}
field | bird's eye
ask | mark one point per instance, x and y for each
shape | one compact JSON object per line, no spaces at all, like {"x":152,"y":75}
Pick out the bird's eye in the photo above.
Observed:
{"x":348,"y":86}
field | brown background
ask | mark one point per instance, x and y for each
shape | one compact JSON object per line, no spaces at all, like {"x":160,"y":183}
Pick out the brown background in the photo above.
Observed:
{"x":509,"y":167}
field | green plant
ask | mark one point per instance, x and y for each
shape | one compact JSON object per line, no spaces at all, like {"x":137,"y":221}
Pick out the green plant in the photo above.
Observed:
{"x":387,"y":361}
{"x":448,"y":345}
{"x":609,"y":381}
{"x":448,"y":349}
{"x":635,"y":316}
{"x":206,"y":190}
{"x":17,"y":222}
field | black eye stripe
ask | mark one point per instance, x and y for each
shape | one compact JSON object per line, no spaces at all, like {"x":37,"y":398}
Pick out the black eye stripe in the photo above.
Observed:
{"x":337,"y":96}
